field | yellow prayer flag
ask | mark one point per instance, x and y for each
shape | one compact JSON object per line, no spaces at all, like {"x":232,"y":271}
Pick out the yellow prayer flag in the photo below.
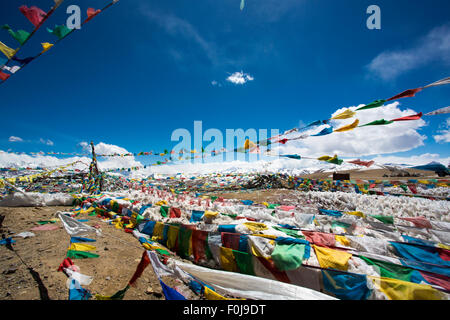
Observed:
{"x":255,"y":226}
{"x":227,"y":260}
{"x":404,"y":290}
{"x":344,"y":115}
{"x":46,"y":46}
{"x":324,"y":158}
{"x":348,"y":127}
{"x":81,"y":247}
{"x":343,"y":240}
{"x":158,"y":231}
{"x":248,"y":144}
{"x":210,"y":214}
{"x":356,"y":213}
{"x":212,"y":295}
{"x":172,"y":236}
{"x":7,"y":51}
{"x":333,"y":259}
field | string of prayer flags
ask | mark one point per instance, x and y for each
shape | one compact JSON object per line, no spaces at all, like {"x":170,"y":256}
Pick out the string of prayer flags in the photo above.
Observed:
{"x":439,"y":111}
{"x":344,"y":115}
{"x":21,"y":35}
{"x":348,"y":127}
{"x":33,"y":14}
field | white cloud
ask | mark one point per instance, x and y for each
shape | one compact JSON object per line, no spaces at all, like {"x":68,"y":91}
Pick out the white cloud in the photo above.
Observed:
{"x":111,"y":162}
{"x":23,"y":160}
{"x":240,"y":78}
{"x":15,"y":139}
{"x":214,"y":83}
{"x":435,"y":46}
{"x":444,"y":135}
{"x":396,"y":137}
{"x":47,"y":142}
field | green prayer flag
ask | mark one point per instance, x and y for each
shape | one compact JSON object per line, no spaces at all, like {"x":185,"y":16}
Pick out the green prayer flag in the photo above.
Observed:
{"x":74,"y":254}
{"x":184,"y":238}
{"x":244,"y":262}
{"x":41,"y":222}
{"x":20,"y":35}
{"x":289,"y":232}
{"x":340,"y":224}
{"x":213,"y":198}
{"x":384,"y":219}
{"x":60,"y":31}
{"x":288,"y":256}
{"x":164,"y":211}
{"x":335,"y":161}
{"x":163,"y":252}
{"x":119,"y":295}
{"x":377,"y":123}
{"x":390,"y":270}
{"x":208,"y":252}
{"x":375,"y":104}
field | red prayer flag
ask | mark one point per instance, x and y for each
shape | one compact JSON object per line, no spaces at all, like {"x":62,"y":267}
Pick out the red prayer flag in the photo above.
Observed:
{"x":91,"y":13}
{"x":283,"y":141}
{"x":362,"y":163}
{"x":145,"y":261}
{"x":412,"y":117}
{"x":230,"y":240}
{"x":34,"y":14}
{"x":175,"y":212}
{"x":436,"y":279}
{"x":405,"y":94}
{"x":412,"y":188}
{"x":199,"y":243}
{"x":419,"y":222}
{"x":67,"y":263}
{"x":4,"y":76}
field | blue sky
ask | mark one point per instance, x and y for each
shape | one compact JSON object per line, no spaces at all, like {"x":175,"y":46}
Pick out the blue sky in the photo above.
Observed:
{"x":145,"y":68}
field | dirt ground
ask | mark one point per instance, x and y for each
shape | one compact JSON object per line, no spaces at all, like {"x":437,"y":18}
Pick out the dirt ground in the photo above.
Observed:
{"x":119,"y":252}
{"x":375,"y":174}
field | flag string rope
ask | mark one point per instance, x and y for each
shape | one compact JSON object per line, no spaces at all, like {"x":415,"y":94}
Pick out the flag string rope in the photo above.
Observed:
{"x":59,"y":40}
